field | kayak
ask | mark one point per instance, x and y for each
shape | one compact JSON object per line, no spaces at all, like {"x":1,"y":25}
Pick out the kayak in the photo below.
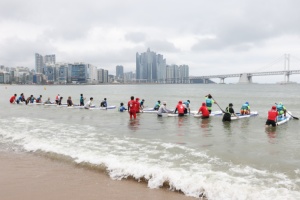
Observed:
{"x":283,"y":119}
{"x":213,"y":113}
{"x":252,"y":114}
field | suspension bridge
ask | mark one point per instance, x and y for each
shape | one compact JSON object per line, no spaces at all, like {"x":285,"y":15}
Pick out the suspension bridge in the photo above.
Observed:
{"x":247,"y":77}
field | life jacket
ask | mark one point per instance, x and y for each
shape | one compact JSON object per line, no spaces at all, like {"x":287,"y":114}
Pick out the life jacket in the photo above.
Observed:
{"x":245,"y":107}
{"x":279,"y":107}
{"x":180,"y":108}
{"x":272,"y":114}
{"x":208,"y":102}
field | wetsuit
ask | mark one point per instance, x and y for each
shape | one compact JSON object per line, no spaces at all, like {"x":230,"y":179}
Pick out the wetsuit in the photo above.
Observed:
{"x":227,"y":115}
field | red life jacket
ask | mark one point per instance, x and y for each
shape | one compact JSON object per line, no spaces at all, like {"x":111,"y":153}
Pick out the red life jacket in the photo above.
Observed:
{"x":180,"y":108}
{"x":204,"y":111}
{"x":272,"y":114}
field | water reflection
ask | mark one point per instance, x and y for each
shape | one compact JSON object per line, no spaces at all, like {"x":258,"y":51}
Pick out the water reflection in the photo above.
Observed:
{"x":271,"y":132}
{"x":134,"y":124}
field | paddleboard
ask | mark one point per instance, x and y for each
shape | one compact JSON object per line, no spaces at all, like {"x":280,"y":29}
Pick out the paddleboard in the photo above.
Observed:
{"x":283,"y":120}
{"x":213,"y":113}
{"x":252,"y":114}
{"x":102,"y":108}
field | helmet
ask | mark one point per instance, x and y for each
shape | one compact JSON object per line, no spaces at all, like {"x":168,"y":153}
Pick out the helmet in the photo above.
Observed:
{"x":230,"y":104}
{"x":247,"y":102}
{"x":273,"y":107}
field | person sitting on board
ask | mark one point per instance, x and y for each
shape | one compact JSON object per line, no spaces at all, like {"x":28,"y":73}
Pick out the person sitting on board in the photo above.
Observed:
{"x":245,"y":109}
{"x":228,"y":113}
{"x":122,"y":107}
{"x":187,"y":107}
{"x":157,"y":105}
{"x":21,"y":98}
{"x":180,"y":109}
{"x":81,"y":101}
{"x":57,"y":99}
{"x":272,"y":117}
{"x":103,"y":103}
{"x":39,"y":99}
{"x":204,"y":111}
{"x":209,"y":101}
{"x":13,"y":98}
{"x":89,"y":103}
{"x":281,"y":109}
{"x":137,"y":105}
{"x":163,"y":109}
{"x":69,"y":101}
{"x":48,"y":101}
{"x":142,"y":104}
{"x":30,"y":99}
{"x":131,"y":107}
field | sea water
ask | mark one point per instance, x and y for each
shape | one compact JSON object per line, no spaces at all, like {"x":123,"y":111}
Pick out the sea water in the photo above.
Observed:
{"x":236,"y":160}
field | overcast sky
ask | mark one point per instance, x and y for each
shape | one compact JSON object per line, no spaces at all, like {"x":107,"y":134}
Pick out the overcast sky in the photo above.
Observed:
{"x":212,"y":37}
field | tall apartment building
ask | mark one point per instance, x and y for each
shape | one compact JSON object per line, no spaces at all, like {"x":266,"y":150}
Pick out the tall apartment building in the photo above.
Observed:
{"x":102,"y":76}
{"x":150,"y":67}
{"x":40,"y":62}
{"x":183,"y":74}
{"x":119,"y":72}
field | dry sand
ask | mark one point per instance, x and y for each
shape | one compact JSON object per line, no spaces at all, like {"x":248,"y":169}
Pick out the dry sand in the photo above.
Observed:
{"x":32,"y":177}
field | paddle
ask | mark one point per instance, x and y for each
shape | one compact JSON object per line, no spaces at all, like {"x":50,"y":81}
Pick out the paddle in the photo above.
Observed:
{"x":290,"y":114}
{"x":218,"y":104}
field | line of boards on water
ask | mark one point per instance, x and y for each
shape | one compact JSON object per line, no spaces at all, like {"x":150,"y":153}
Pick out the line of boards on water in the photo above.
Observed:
{"x":280,"y":120}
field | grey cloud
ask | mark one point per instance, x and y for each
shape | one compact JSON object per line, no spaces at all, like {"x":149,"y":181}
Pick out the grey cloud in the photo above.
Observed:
{"x":135,"y":37}
{"x":161,"y":45}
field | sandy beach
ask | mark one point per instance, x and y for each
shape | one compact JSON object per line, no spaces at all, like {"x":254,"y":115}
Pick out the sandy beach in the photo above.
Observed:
{"x":33,"y":177}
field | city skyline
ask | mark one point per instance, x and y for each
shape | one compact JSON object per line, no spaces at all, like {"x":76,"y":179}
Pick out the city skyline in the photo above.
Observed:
{"x":211,"y":37}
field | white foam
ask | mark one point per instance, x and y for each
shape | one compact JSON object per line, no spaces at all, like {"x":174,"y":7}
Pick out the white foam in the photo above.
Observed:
{"x":185,"y":169}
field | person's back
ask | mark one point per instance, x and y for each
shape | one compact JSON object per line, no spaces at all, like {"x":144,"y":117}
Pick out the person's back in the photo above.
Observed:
{"x":203,"y":109}
{"x":132,"y":107}
{"x":103,"y":103}
{"x":81,"y":101}
{"x":209,"y":101}
{"x":272,"y":117}
{"x":180,"y":109}
{"x":157,"y":105}
{"x":137,"y":105}
{"x":163,"y":109}
{"x":228,"y":112}
{"x":13,"y":98}
{"x":69,"y":101}
{"x":122,"y":108}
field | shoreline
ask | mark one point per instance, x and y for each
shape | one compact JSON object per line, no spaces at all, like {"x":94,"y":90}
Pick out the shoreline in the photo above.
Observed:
{"x":32,"y":177}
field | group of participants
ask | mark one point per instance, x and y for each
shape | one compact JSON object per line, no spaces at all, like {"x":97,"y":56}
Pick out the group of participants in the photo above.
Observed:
{"x":135,"y":106}
{"x":58,"y":100}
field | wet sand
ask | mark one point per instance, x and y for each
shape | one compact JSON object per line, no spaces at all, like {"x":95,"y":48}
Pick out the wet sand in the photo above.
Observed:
{"x":32,"y":177}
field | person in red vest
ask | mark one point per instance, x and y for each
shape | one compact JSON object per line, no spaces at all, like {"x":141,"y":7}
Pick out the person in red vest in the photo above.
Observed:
{"x":132,"y":107}
{"x":180,"y":109}
{"x":138,"y":105}
{"x":13,"y":99}
{"x":204,"y":110}
{"x":272,"y":117}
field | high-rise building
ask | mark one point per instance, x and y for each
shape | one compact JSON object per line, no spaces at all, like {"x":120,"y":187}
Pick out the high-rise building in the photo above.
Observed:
{"x":119,"y":72}
{"x":49,"y":59}
{"x":39,"y":63}
{"x":183,"y":74}
{"x":150,"y":67}
{"x":172,"y":74}
{"x":102,"y":76}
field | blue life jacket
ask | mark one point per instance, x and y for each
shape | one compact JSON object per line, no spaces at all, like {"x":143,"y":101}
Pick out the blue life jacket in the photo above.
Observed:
{"x":186,"y":103}
{"x":279,"y":107}
{"x":245,"y":106}
{"x":208,"y":102}
{"x":122,"y":108}
{"x":31,"y":100}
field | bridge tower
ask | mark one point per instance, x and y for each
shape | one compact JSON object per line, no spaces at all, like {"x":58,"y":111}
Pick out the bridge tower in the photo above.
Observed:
{"x":245,"y":78}
{"x":287,"y":68}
